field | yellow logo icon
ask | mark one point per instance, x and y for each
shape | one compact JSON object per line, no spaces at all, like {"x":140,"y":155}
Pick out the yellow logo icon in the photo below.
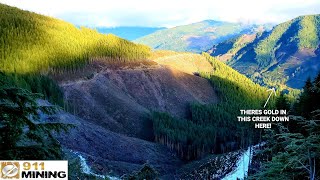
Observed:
{"x":10,"y":170}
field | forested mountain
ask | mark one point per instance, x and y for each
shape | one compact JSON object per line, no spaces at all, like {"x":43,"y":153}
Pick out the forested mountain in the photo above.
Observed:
{"x":33,"y":45}
{"x":129,"y":33}
{"x":196,"y":37}
{"x":288,"y":54}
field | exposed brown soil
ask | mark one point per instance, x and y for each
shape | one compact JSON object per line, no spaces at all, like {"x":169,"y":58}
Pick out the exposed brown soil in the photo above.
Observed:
{"x":95,"y":66}
{"x":120,"y":99}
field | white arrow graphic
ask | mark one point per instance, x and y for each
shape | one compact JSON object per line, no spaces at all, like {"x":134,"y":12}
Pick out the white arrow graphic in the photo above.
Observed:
{"x":272,"y":91}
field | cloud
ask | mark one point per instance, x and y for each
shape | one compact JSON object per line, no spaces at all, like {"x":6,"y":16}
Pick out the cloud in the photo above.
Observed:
{"x":167,"y":12}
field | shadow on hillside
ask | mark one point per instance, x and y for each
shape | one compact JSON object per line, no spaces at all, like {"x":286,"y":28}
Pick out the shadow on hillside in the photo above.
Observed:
{"x":197,"y":43}
{"x":222,"y":48}
{"x":308,"y":68}
{"x":287,"y":45}
{"x":247,"y":53}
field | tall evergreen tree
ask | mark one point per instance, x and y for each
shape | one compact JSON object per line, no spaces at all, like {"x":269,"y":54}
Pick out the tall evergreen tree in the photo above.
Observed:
{"x":282,"y":102}
{"x":299,"y":153}
{"x":316,"y":90}
{"x":295,"y":149}
{"x":305,"y":103}
{"x":23,"y":135}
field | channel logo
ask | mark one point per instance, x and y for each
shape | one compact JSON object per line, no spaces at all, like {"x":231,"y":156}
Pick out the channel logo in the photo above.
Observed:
{"x":10,"y":170}
{"x":16,"y":170}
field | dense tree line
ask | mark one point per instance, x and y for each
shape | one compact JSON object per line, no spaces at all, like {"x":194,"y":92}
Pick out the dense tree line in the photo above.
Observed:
{"x":293,"y":149}
{"x":214,"y":128}
{"x":188,"y":139}
{"x":35,"y":83}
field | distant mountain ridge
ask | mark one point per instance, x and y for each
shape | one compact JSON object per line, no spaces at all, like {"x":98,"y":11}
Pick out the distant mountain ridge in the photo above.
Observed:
{"x":288,"y":54}
{"x":197,"y":37}
{"x":127,"y":32}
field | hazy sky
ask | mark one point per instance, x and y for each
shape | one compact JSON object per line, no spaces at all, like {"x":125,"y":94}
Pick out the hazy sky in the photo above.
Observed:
{"x":167,"y":13}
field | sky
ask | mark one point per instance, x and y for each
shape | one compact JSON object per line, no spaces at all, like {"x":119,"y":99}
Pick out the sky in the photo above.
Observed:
{"x":167,"y":13}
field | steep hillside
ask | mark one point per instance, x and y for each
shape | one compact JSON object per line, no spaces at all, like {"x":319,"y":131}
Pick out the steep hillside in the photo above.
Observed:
{"x":119,"y":99}
{"x":32,"y":43}
{"x":33,"y":46}
{"x":196,"y":37}
{"x":288,"y":54}
{"x":107,"y":151}
{"x":224,"y":51}
{"x":170,"y":100}
{"x":129,"y":33}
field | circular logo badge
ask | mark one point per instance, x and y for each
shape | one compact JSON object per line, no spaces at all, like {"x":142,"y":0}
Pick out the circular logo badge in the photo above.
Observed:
{"x":9,"y":171}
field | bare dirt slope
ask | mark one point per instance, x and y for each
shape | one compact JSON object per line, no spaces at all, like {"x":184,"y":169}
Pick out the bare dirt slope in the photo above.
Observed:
{"x":107,"y":151}
{"x":120,"y":99}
